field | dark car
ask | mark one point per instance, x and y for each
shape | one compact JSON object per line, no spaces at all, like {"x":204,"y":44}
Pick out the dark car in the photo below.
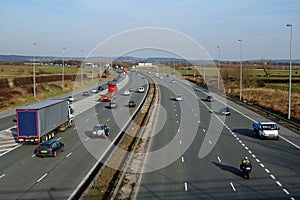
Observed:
{"x":100,"y":130}
{"x":210,"y":98}
{"x":49,"y":148}
{"x":131,"y":103}
{"x":100,"y":88}
{"x":86,"y":93}
{"x":14,"y":119}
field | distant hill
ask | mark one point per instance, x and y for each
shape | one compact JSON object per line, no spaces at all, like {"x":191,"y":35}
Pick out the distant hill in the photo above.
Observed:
{"x":127,"y":59}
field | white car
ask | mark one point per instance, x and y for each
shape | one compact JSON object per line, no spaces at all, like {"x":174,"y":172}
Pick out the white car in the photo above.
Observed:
{"x":70,"y":98}
{"x":126,"y":93}
{"x":94,"y":90}
{"x":178,"y":97}
{"x":141,"y":89}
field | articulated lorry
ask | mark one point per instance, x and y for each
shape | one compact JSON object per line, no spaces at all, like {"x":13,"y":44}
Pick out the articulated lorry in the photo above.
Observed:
{"x":40,"y":121}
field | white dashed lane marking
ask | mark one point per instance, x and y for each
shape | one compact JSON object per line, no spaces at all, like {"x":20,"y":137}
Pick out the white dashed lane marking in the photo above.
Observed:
{"x":39,"y":180}
{"x":232,"y":186}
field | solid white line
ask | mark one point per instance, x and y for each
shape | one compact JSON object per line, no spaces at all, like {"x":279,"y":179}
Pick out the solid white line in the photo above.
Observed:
{"x":219,"y":159}
{"x":262,"y":165}
{"x":10,"y":150}
{"x":267,"y":171}
{"x":272,"y":176}
{"x":68,"y":154}
{"x":185,"y":186}
{"x":287,"y":192}
{"x":298,"y":147}
{"x":42,"y":178}
{"x":59,"y":138}
{"x":232,"y":186}
{"x":2,"y":175}
{"x":182,"y":159}
{"x":278,"y":183}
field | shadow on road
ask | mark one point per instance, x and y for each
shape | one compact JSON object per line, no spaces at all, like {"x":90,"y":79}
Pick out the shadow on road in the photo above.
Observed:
{"x":245,"y":132}
{"x":228,"y":168}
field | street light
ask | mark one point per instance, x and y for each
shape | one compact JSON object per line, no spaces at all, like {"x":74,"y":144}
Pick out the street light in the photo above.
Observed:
{"x":63,"y":69}
{"x":290,"y":81}
{"x":81,"y":68}
{"x":34,"y":86}
{"x":219,"y":69}
{"x":241,"y":68}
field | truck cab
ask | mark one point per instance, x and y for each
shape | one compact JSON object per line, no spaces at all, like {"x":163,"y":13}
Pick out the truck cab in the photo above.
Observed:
{"x":266,"y":130}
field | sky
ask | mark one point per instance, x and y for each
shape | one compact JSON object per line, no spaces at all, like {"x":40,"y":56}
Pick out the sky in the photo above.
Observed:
{"x":81,"y":25}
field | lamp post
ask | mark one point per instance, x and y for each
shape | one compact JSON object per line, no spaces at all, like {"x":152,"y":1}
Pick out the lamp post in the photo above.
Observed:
{"x":63,"y":69}
{"x":81,"y":66}
{"x":34,"y":86}
{"x":290,"y":81}
{"x":241,"y":67}
{"x":219,"y":48}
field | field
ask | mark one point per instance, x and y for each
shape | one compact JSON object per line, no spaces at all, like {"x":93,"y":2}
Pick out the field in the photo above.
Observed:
{"x":13,"y":96}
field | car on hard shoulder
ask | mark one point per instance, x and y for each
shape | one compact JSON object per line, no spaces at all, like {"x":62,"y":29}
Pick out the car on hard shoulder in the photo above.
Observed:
{"x":141,"y":89}
{"x":49,"y":148}
{"x":225,"y":111}
{"x":100,"y":130}
{"x":210,"y":98}
{"x":131,"y":103}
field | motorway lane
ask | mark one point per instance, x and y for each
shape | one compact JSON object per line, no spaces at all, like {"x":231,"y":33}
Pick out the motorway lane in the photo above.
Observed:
{"x":25,"y":175}
{"x":217,"y":175}
{"x":163,"y":184}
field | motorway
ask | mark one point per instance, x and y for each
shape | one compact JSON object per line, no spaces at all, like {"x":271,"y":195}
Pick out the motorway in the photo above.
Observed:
{"x":25,"y":176}
{"x":187,"y":169}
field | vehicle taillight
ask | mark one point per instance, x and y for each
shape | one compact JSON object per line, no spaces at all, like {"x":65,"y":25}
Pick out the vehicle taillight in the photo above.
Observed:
{"x":21,"y":140}
{"x":50,"y":149}
{"x":93,"y":132}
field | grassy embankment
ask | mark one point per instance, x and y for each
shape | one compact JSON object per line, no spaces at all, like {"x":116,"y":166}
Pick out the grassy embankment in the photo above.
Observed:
{"x":22,"y":95}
